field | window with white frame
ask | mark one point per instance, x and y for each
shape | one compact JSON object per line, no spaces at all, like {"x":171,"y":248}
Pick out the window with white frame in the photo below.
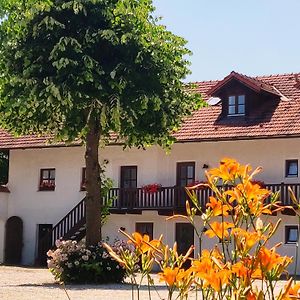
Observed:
{"x":291,"y":234}
{"x":47,"y":179}
{"x":291,"y":168}
{"x":236,"y":105}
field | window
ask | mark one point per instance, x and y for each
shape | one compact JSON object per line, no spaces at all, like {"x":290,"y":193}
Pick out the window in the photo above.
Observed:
{"x":128,"y":184}
{"x":291,"y":234}
{"x":291,"y":168}
{"x":47,"y":180}
{"x":4,"y":162}
{"x":185,"y":173}
{"x":144,"y":228}
{"x":83,"y":180}
{"x":236,"y":105}
{"x":128,"y":176}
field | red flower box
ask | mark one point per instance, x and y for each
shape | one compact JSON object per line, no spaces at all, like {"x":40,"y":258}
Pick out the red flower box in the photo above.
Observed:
{"x":151,"y":188}
{"x":47,"y":186}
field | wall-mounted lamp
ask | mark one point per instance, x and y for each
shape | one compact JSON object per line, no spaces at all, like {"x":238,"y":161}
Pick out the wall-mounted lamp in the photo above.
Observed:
{"x":205,"y":166}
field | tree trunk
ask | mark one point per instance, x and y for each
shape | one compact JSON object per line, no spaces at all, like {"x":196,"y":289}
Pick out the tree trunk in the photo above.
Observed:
{"x":93,"y":185}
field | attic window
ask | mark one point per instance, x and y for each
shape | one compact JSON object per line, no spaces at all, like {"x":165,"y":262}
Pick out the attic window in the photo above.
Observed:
{"x":236,"y":105}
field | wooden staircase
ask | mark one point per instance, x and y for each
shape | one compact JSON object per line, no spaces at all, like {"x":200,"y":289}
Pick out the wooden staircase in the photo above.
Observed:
{"x":71,"y":226}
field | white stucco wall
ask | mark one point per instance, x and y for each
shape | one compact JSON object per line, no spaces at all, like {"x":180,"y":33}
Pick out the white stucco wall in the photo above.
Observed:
{"x":3,"y":218}
{"x":3,"y":205}
{"x":167,"y":229}
{"x":2,"y":239}
{"x":42,"y":207}
{"x":48,"y":207}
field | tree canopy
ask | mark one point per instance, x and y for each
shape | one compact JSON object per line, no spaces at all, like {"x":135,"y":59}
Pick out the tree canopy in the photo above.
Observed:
{"x":89,"y":68}
{"x":62,"y":62}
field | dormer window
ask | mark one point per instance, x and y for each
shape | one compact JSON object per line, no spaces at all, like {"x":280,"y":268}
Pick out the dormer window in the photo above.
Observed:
{"x":236,"y":105}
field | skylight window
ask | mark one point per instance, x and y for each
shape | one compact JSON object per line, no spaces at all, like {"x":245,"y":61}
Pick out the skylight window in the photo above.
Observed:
{"x":236,"y":105}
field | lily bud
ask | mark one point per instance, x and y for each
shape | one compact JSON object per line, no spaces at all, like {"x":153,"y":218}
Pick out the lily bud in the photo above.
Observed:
{"x":259,"y":224}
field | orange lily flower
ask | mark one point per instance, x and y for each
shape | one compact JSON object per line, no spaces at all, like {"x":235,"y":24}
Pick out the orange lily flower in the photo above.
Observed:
{"x":143,"y":243}
{"x":169,"y":276}
{"x":140,"y":241}
{"x":217,"y":207}
{"x":228,"y":170}
{"x":219,"y":229}
{"x":293,"y":292}
{"x":216,"y":279}
{"x":240,"y":269}
{"x":184,"y":277}
{"x":245,"y":240}
{"x":269,"y":259}
{"x":251,"y":195}
{"x":202,"y":266}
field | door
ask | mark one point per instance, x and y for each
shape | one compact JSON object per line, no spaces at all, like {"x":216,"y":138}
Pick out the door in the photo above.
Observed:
{"x":185,"y":175}
{"x":128,"y":186}
{"x":13,"y":241}
{"x":184,"y":236}
{"x":44,"y":243}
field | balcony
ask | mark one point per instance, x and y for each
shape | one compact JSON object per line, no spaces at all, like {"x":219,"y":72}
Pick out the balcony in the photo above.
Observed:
{"x":168,"y":200}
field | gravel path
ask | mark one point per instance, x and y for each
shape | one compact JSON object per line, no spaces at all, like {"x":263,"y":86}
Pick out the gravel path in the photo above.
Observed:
{"x":35,"y":284}
{"x":38,"y":284}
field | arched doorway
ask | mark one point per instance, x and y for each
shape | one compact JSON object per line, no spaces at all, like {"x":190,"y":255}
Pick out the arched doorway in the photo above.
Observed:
{"x":13,"y":241}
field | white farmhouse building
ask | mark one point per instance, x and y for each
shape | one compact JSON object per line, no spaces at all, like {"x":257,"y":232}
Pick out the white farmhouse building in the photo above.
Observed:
{"x":255,"y":120}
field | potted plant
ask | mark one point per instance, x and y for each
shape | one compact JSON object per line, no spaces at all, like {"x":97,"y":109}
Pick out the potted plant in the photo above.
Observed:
{"x":47,"y":185}
{"x":151,"y":188}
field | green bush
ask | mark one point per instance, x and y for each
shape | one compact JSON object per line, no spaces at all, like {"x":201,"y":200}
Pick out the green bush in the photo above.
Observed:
{"x":73,"y":262}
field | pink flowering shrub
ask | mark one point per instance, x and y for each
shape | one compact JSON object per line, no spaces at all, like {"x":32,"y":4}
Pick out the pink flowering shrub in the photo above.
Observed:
{"x":73,"y":262}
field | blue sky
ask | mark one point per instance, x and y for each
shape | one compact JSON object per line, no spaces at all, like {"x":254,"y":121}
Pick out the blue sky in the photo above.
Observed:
{"x":254,"y":37}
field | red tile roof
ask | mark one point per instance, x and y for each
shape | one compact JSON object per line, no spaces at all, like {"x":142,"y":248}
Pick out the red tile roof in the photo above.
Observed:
{"x":280,"y":120}
{"x":7,"y":141}
{"x":254,"y":83}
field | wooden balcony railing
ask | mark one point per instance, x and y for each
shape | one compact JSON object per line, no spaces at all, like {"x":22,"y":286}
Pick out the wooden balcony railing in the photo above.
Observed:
{"x":174,"y":198}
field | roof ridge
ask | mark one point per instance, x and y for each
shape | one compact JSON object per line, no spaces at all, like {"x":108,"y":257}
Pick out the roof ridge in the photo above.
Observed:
{"x":204,"y":81}
{"x":278,"y":75}
{"x":257,"y":77}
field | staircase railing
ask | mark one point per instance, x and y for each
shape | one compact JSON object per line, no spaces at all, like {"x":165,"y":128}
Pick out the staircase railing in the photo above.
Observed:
{"x":69,"y":221}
